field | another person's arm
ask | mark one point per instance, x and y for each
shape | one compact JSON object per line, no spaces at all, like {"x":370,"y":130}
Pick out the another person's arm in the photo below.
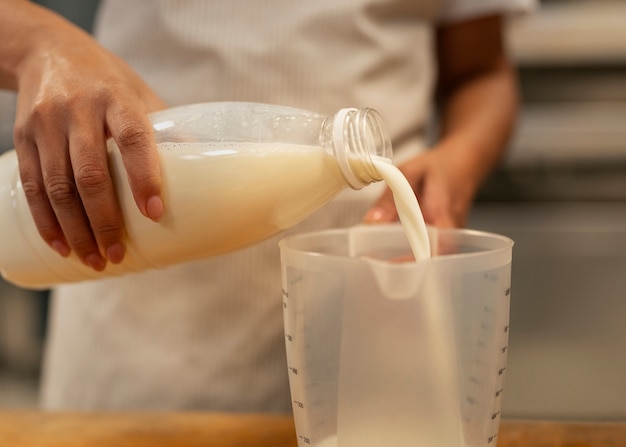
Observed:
{"x":477,"y":93}
{"x":73,"y":95}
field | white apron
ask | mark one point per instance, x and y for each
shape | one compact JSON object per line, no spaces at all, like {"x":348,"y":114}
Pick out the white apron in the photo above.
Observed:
{"x":208,"y":335}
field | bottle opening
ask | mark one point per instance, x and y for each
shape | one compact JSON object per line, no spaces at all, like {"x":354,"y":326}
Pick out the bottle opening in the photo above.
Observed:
{"x":359,"y":137}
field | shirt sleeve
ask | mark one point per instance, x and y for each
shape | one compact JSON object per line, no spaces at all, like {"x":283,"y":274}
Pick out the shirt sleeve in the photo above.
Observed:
{"x":457,"y":10}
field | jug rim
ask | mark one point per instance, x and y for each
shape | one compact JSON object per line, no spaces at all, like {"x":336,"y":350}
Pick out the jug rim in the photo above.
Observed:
{"x":499,"y":246}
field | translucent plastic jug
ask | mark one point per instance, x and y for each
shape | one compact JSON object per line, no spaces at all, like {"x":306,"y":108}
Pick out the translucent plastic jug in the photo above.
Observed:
{"x":383,"y":352}
{"x":234,"y":174}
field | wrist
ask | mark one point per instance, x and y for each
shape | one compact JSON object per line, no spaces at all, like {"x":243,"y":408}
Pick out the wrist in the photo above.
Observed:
{"x":27,"y":29}
{"x":467,"y":162}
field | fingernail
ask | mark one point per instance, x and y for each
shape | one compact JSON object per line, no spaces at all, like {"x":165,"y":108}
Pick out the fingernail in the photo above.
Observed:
{"x":61,"y":248}
{"x":95,"y":261}
{"x":154,"y":208}
{"x":377,"y":215}
{"x":115,"y":253}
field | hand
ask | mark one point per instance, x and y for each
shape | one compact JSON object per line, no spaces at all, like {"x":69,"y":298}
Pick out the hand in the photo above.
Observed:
{"x":73,"y":95}
{"x":478,"y":101}
{"x":444,"y":190}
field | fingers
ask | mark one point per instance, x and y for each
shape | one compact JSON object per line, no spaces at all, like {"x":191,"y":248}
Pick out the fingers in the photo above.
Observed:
{"x":70,"y":193}
{"x":383,"y":211}
{"x":132,"y":131}
{"x":65,"y":175}
{"x":37,"y":197}
{"x":431,"y":185}
{"x":105,"y":223}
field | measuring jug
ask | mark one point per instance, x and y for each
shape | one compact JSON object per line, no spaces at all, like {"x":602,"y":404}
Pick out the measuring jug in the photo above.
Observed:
{"x":387,"y":352}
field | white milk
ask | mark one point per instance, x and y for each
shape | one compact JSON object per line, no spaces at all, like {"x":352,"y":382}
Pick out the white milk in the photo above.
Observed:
{"x":218,"y":197}
{"x":408,"y":208}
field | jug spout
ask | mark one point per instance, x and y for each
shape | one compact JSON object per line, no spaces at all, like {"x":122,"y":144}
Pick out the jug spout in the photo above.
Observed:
{"x":394,"y":280}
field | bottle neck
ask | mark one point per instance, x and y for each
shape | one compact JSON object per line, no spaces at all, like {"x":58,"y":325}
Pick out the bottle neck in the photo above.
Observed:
{"x":358,"y":137}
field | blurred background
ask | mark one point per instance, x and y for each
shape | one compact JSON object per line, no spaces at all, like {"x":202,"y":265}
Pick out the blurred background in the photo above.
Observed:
{"x":561,"y":195}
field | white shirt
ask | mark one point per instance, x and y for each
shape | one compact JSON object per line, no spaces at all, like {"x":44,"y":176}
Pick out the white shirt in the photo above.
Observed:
{"x":209,"y":335}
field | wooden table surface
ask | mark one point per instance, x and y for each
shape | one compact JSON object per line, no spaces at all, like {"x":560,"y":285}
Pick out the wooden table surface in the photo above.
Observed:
{"x":44,"y":429}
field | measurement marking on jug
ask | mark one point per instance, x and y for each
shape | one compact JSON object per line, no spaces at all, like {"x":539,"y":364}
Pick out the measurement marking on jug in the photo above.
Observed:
{"x":495,"y":415}
{"x":285,"y":298}
{"x":491,"y":438}
{"x":305,"y":439}
{"x":504,"y":349}
{"x":474,"y":379}
{"x":298,"y":403}
{"x":289,"y":337}
{"x":508,"y":292}
{"x":490,"y":277}
{"x":501,"y":371}
{"x":294,"y":279}
{"x":499,"y":392}
{"x":293,"y":370}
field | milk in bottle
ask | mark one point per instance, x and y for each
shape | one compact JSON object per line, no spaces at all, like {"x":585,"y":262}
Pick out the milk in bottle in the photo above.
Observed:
{"x":234,"y":173}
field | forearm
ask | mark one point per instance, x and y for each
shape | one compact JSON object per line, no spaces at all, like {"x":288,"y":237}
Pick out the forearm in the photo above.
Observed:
{"x":18,"y":32}
{"x":477,"y":94}
{"x":477,"y":120}
{"x":26,"y":29}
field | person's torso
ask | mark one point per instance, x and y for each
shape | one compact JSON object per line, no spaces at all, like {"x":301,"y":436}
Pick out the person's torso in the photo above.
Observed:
{"x":209,"y":334}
